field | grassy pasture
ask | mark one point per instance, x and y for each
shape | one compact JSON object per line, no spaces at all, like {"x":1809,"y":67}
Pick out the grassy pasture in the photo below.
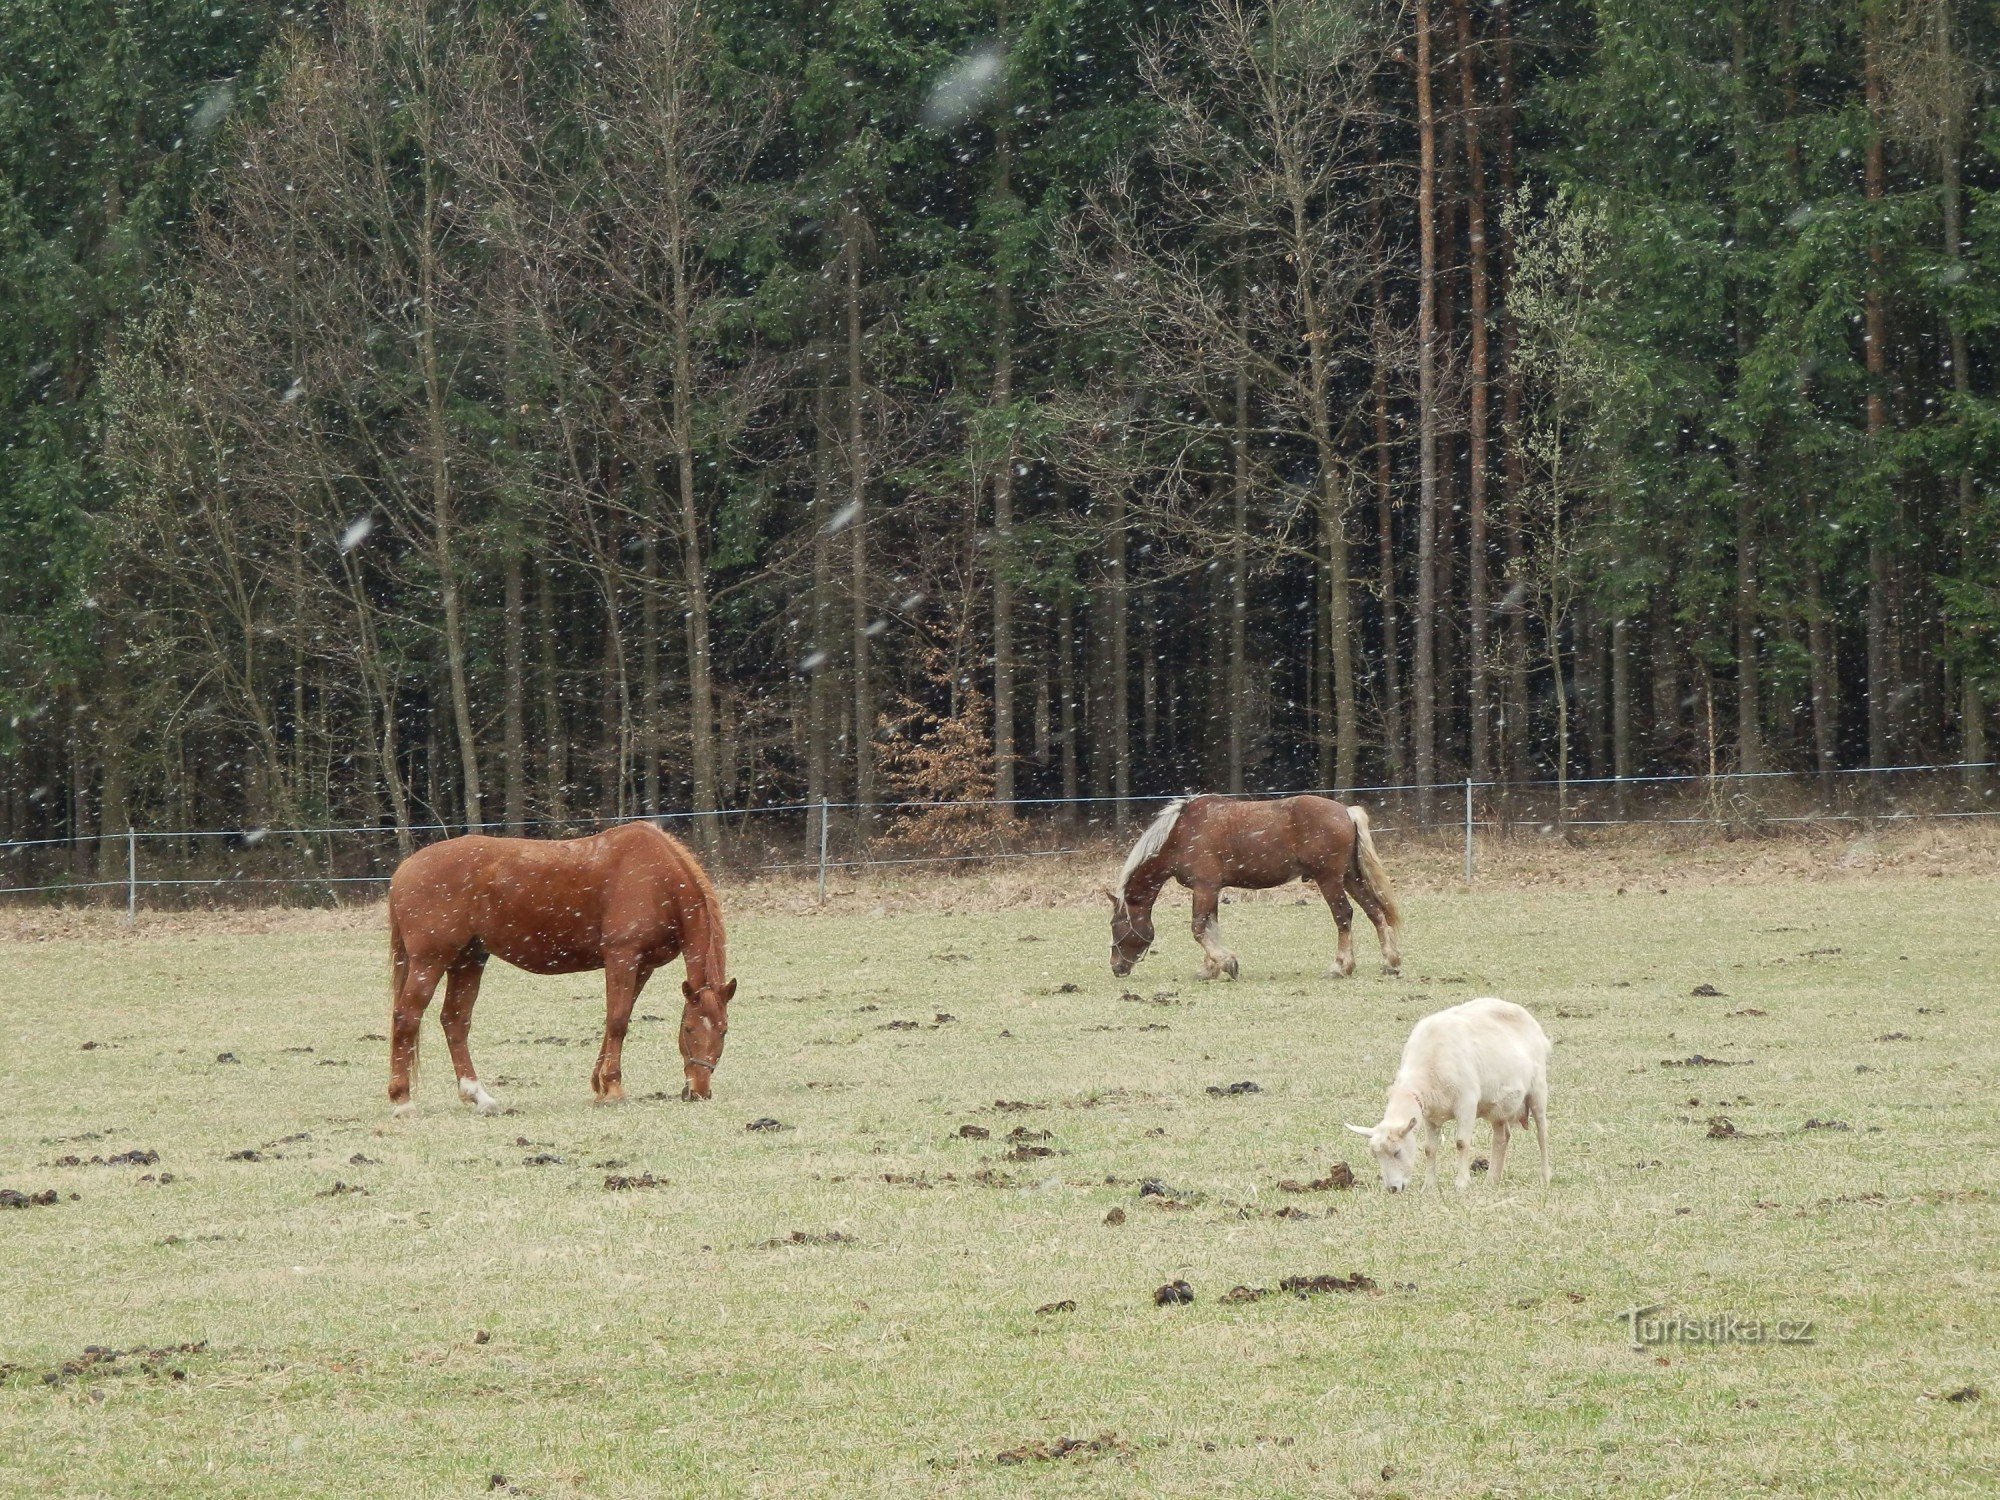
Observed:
{"x":654,"y":1342}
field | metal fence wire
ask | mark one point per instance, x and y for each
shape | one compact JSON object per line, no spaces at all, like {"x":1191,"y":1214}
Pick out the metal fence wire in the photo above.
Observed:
{"x":813,"y":840}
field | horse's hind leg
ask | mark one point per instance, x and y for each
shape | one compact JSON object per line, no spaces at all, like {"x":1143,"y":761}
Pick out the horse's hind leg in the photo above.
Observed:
{"x":1343,"y":918}
{"x":460,"y":995}
{"x":1208,"y":932}
{"x":419,"y":981}
{"x":1392,"y":958}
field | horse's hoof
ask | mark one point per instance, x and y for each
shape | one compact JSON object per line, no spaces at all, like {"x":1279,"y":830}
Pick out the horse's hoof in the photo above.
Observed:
{"x":1392,"y":971}
{"x":488,"y":1106}
{"x":403,"y":1111}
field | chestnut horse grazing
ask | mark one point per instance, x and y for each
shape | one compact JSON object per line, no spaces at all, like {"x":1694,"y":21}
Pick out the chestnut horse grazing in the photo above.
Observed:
{"x":625,"y":901}
{"x":1207,"y":843}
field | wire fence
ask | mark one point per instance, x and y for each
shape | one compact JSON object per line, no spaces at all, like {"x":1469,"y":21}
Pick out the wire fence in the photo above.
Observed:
{"x":817,"y":840}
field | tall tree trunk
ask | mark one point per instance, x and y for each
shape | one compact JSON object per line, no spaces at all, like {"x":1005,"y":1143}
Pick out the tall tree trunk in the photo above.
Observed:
{"x":1749,"y":723}
{"x":1478,"y":584}
{"x":1003,"y":475}
{"x":1066,"y":688}
{"x":1239,"y":551}
{"x":650,"y":693}
{"x":1749,"y":731}
{"x":1972,"y":745}
{"x":822,"y":644}
{"x":857,"y":526}
{"x":1874,"y":341}
{"x":1665,"y":673}
{"x":555,"y":738}
{"x":1425,"y":685}
{"x":1121,"y":661}
{"x":514,"y":716}
{"x":617,"y":688}
{"x":1621,"y":705}
{"x":1339,"y":625}
{"x":1514,"y":713}
{"x":437,"y":439}
{"x":1824,"y":679}
{"x":113,"y":716}
{"x":1385,"y":492}
{"x":694,"y":570}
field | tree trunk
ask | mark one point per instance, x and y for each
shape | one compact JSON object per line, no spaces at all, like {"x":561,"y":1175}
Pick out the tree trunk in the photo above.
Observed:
{"x":1665,"y":675}
{"x":1385,"y":497}
{"x":1749,"y":731}
{"x":1749,"y":724}
{"x":1003,"y":486}
{"x":513,"y":656}
{"x":1621,"y":705}
{"x":1339,"y":627}
{"x":1425,"y":684}
{"x":1478,"y":585}
{"x":1972,"y":746}
{"x":649,"y":667}
{"x":1238,"y":677}
{"x":555,"y":741}
{"x":694,"y":572}
{"x":1874,"y":339}
{"x":455,"y":660}
{"x":822,"y":645}
{"x":1514,"y":712}
{"x":617,"y":713}
{"x":1121,"y":663}
{"x":857,"y":526}
{"x":1066,"y":687}
{"x":1824,"y":680}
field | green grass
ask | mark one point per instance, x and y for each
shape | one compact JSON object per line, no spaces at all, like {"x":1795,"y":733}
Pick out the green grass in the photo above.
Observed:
{"x":641,"y":1343}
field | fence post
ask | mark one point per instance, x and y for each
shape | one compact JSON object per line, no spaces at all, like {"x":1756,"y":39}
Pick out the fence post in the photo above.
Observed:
{"x":1468,"y":830}
{"x":822,"y":850}
{"x":131,"y":875}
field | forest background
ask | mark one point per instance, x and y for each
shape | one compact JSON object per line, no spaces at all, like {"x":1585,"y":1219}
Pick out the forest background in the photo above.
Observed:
{"x":452,"y":412}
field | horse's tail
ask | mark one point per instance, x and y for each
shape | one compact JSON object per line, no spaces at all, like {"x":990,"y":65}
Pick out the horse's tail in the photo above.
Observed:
{"x":1372,"y":872}
{"x":399,"y":959}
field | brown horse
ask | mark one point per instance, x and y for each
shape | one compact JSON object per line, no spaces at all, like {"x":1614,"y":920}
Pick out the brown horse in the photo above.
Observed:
{"x":626,"y":901}
{"x":1207,"y":843}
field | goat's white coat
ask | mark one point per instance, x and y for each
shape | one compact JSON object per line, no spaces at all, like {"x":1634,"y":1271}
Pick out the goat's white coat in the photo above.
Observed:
{"x":1486,"y":1060}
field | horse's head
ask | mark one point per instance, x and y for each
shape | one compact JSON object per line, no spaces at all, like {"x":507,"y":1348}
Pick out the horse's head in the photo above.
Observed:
{"x":1131,"y":935}
{"x":704,"y":1027}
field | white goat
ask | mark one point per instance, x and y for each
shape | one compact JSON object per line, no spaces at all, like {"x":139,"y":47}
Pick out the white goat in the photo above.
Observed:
{"x":1486,"y":1059}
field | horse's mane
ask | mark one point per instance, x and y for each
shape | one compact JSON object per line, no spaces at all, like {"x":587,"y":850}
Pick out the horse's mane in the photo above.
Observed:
{"x":1151,"y":842}
{"x":693,"y":865}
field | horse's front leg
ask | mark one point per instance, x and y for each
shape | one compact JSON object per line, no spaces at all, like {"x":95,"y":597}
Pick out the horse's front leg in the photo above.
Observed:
{"x":1208,"y":932}
{"x":624,"y":977}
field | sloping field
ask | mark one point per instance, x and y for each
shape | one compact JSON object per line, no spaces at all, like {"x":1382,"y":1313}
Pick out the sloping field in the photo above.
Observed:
{"x":848,"y":1303}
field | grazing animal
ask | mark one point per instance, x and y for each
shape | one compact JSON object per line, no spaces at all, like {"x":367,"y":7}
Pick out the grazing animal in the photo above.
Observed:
{"x":626,"y":901}
{"x":1486,"y":1060}
{"x":1207,"y":843}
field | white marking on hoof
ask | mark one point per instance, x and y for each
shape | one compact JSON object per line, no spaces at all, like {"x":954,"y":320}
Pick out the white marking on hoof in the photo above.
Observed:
{"x":403,"y":1111}
{"x":473,"y":1092}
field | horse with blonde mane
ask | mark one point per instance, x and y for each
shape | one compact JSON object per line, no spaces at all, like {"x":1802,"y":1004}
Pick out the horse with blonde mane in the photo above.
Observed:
{"x":627,"y":901}
{"x":1208,"y":843}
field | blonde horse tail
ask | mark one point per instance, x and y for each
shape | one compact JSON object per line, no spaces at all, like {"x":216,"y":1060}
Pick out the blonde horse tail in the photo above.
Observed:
{"x":1371,"y":867}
